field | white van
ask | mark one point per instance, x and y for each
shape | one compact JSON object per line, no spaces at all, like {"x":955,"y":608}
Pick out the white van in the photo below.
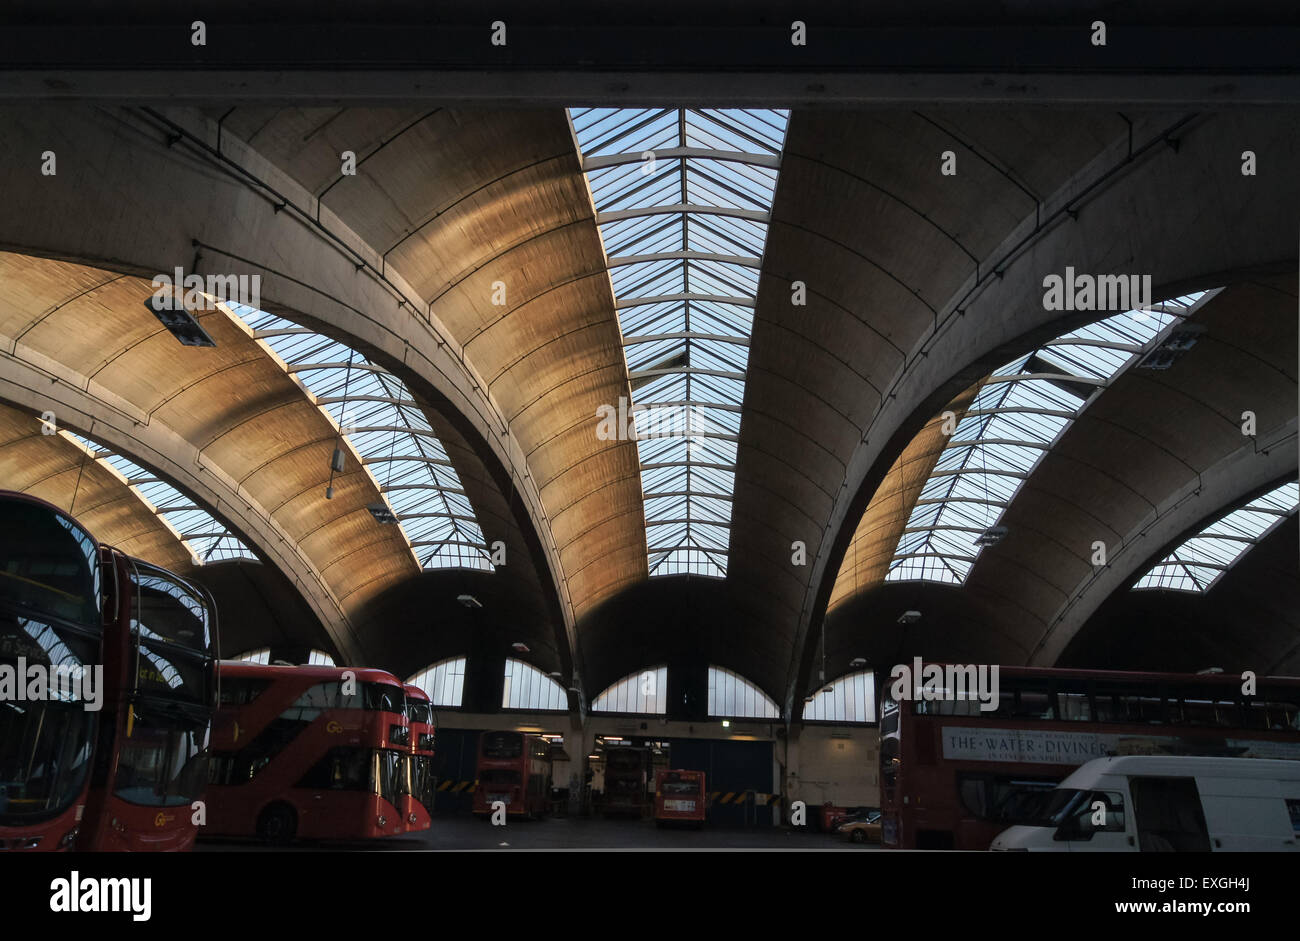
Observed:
{"x":1156,"y":803}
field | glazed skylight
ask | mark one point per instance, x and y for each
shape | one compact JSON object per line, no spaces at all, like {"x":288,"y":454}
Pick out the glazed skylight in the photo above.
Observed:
{"x":683,"y":198}
{"x":385,"y":425}
{"x":1201,"y":561}
{"x":204,"y":537}
{"x":1015,"y":419}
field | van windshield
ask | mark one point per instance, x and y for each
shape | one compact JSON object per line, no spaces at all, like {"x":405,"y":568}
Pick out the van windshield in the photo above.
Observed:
{"x":1050,"y":808}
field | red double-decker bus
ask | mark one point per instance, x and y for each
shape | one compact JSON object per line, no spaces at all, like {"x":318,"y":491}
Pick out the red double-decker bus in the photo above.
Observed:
{"x":953,"y":776}
{"x":680,"y":797}
{"x":421,"y":786}
{"x":311,"y":752}
{"x":119,"y":769}
{"x":151,"y":768}
{"x":627,"y":780}
{"x":515,"y":768}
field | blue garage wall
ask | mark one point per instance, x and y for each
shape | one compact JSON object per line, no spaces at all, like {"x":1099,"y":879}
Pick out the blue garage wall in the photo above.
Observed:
{"x":454,"y":760}
{"x":729,"y":766}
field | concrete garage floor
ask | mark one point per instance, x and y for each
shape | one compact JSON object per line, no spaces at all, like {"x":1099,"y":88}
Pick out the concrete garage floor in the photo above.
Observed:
{"x":470,"y":833}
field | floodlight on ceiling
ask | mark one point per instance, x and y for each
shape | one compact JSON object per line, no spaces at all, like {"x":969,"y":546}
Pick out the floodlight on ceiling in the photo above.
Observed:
{"x":169,"y":308}
{"x":519,"y":647}
{"x":858,"y":662}
{"x":469,"y":601}
{"x":556,"y":675}
{"x":909,"y":617}
{"x":991,"y":536}
{"x":1181,"y":339}
{"x":828,"y":689}
{"x":1209,"y":671}
{"x":381,"y":512}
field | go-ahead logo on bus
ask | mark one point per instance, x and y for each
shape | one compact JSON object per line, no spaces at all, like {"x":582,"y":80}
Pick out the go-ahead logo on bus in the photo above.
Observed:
{"x":163,"y":819}
{"x":333,"y":728}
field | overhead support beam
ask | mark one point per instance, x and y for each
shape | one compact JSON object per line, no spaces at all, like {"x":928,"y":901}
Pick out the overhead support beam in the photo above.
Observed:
{"x":735,"y":301}
{"x":601,"y":161}
{"x":618,"y":215}
{"x":743,"y":261}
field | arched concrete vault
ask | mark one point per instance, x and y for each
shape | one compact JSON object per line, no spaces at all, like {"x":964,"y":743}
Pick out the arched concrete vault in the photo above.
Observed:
{"x":1155,"y":456}
{"x":232,"y":410}
{"x":918,"y":284}
{"x":488,"y":218}
{"x":401,"y":261}
{"x":61,"y":472}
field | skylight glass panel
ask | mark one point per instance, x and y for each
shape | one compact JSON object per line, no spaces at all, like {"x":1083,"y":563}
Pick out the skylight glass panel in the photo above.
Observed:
{"x":683,"y":198}
{"x":852,"y":698}
{"x":443,"y":682}
{"x":526,"y":687}
{"x":731,"y":695}
{"x":204,"y":537}
{"x":1200,"y":562}
{"x":1020,"y":412}
{"x":645,"y":693}
{"x":399,"y":448}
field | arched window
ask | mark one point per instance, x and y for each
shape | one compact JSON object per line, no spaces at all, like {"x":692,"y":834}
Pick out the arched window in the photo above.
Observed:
{"x":1202,"y":560}
{"x":731,"y":695}
{"x":852,"y":698}
{"x":444,"y":681}
{"x":527,"y":687}
{"x":319,"y":658}
{"x":260,"y":655}
{"x":644,"y":692}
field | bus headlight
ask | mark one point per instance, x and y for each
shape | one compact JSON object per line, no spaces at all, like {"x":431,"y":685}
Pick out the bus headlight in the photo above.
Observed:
{"x":383,"y":821}
{"x":411,"y":818}
{"x":69,"y":838}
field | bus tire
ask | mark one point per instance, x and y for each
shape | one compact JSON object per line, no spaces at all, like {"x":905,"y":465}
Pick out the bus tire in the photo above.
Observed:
{"x":277,"y":824}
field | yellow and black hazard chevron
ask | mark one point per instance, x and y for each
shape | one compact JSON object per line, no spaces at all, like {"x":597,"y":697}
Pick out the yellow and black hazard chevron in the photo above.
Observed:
{"x":456,"y":787}
{"x":741,"y":797}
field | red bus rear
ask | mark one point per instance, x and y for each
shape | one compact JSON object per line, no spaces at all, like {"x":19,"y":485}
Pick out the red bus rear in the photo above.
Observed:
{"x":515,"y":768}
{"x":680,"y":797}
{"x":954,"y":776}
{"x":311,"y":752}
{"x":417,"y":806}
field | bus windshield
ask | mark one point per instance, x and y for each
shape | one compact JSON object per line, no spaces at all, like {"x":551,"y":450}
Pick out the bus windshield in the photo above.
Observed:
{"x":45,"y":744}
{"x":52,"y":569}
{"x":502,"y":745}
{"x":163,"y":761}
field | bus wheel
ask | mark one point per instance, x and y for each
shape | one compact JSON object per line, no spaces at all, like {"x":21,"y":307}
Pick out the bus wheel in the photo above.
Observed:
{"x":277,"y":824}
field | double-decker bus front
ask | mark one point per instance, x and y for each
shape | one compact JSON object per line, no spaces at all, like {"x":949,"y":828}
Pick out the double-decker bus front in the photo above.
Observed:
{"x":307,"y":752}
{"x":680,"y":797}
{"x":144,"y":796}
{"x":421,"y":787}
{"x":51,"y":625}
{"x":954,"y":775}
{"x":514,"y":768}
{"x":626,"y":780}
